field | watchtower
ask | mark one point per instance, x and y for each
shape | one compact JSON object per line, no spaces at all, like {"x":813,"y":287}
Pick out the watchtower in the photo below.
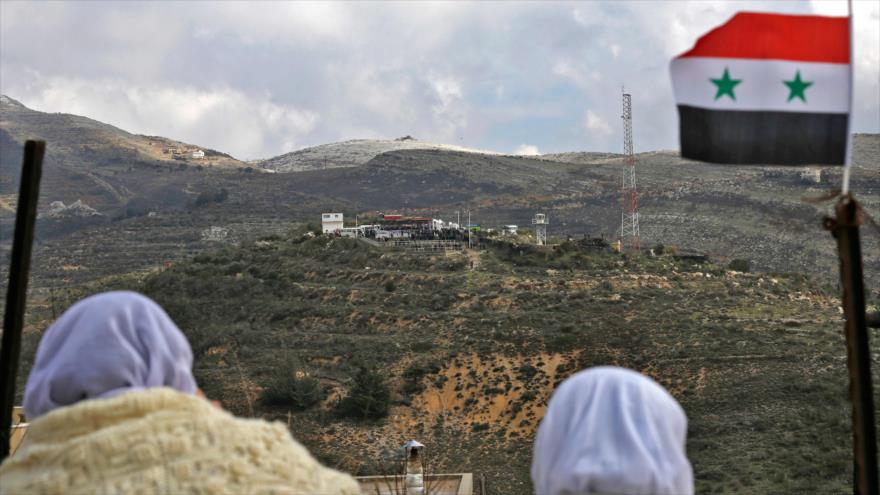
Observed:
{"x":540,"y":222}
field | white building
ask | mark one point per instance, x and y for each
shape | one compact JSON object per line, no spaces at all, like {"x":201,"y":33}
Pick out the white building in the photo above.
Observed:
{"x":198,"y":154}
{"x":509,"y":229}
{"x":331,"y":223}
{"x":812,"y":174}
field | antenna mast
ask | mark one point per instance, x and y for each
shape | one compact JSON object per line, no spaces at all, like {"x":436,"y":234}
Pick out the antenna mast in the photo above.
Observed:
{"x":629,"y":199}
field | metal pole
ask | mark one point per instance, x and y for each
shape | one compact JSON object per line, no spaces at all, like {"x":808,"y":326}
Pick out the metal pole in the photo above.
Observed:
{"x":469,"y":229}
{"x":845,"y":228}
{"x":847,"y":164}
{"x":16,"y":294}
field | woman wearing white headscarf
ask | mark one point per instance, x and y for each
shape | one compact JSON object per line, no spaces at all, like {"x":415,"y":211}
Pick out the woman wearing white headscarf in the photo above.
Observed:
{"x":114,"y":408}
{"x":611,"y":430}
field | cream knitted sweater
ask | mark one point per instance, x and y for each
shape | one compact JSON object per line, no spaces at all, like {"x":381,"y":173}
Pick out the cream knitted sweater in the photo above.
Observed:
{"x":163,"y":441}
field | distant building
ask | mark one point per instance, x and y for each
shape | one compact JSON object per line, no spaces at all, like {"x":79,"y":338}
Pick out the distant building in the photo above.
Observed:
{"x":331,"y":223}
{"x":812,"y":174}
{"x":198,"y":154}
{"x":509,"y":229}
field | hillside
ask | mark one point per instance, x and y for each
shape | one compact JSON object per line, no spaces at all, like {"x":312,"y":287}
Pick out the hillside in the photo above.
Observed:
{"x":757,"y":213}
{"x":97,"y":164}
{"x":754,"y":213}
{"x":351,"y":153}
{"x":81,"y":141}
{"x":472,"y":355}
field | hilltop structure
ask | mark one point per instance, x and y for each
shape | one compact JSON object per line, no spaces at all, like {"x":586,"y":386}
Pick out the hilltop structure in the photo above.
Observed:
{"x":540,"y":222}
{"x":331,"y":223}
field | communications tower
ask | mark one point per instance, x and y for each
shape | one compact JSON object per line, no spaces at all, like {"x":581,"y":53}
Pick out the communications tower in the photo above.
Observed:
{"x":540,"y":222}
{"x":629,"y":199}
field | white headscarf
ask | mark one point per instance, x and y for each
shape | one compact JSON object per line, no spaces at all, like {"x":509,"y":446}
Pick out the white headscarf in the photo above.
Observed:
{"x":612,"y":431}
{"x":106,"y":345}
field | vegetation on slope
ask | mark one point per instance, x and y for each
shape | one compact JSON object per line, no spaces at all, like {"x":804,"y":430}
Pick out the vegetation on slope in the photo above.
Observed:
{"x":471,"y":356}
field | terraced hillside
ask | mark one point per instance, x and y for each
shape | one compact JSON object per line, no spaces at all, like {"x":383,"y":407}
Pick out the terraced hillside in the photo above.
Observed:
{"x":287,"y":326}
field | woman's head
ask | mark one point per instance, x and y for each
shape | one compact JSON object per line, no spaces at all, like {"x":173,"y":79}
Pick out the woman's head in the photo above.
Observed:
{"x":105,"y":345}
{"x":611,"y":430}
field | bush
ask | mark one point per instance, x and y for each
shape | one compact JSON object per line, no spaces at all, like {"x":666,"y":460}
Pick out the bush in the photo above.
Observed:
{"x":413,"y":375}
{"x":740,"y":265}
{"x":369,"y":397}
{"x":290,"y":387}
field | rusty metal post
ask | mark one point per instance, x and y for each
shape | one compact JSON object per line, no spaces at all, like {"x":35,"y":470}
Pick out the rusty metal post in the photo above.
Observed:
{"x":16,"y":293}
{"x":845,"y":228}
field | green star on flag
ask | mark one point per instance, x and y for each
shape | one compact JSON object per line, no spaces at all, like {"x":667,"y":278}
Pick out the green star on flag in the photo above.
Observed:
{"x":725,"y":85}
{"x":797,"y":87}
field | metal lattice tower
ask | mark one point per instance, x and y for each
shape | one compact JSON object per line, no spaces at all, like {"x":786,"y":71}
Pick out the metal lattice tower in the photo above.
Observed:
{"x":540,"y":222}
{"x":629,"y":198}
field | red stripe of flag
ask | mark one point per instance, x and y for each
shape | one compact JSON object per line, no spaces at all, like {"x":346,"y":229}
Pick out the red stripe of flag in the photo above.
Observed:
{"x":807,"y":38}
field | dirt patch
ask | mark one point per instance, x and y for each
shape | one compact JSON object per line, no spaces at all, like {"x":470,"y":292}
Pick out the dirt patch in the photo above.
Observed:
{"x":507,"y":394}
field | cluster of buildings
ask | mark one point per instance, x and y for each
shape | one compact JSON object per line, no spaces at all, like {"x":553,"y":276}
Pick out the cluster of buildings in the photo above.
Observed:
{"x":401,"y":227}
{"x":386,"y":227}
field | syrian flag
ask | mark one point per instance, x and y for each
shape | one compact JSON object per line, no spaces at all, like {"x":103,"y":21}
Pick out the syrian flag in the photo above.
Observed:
{"x":766,"y":88}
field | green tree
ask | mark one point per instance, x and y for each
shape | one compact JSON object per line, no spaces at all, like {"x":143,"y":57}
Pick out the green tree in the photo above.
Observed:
{"x":369,"y":398}
{"x":290,"y":386}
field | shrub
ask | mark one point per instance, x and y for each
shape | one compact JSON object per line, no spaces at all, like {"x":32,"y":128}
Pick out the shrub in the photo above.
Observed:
{"x":740,"y":265}
{"x":369,"y":397}
{"x":413,"y":375}
{"x":290,"y":387}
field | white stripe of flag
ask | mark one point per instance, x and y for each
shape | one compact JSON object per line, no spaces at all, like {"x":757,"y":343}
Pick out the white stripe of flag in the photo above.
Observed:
{"x":762,"y":86}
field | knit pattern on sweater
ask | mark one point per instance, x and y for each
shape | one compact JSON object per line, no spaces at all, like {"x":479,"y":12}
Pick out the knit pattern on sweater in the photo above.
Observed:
{"x":163,"y":441}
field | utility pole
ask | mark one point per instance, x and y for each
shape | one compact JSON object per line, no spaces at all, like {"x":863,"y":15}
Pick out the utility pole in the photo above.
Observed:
{"x":470,"y":231}
{"x":629,"y":199}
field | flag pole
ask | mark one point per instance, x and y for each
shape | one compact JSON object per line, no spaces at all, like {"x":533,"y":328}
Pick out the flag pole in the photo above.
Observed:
{"x":847,"y":164}
{"x":16,"y":293}
{"x":845,"y":228}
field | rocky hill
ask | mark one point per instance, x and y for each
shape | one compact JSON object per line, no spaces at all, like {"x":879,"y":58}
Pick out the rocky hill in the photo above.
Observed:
{"x":80,"y":141}
{"x":352,"y":153}
{"x":466,"y":355}
{"x":99,"y":165}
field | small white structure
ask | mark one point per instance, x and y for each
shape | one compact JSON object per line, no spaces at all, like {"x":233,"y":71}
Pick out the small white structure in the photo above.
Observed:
{"x":331,"y":223}
{"x":198,"y":154}
{"x":540,"y":222}
{"x":812,"y":174}
{"x":509,"y":229}
{"x":214,"y":233}
{"x":352,"y":232}
{"x":415,"y":474}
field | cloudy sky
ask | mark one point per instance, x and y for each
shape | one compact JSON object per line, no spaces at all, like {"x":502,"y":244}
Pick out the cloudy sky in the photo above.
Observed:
{"x":261,"y":79}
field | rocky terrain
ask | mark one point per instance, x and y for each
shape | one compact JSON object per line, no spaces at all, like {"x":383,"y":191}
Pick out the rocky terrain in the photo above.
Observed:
{"x":352,"y":153}
{"x":100,"y":165}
